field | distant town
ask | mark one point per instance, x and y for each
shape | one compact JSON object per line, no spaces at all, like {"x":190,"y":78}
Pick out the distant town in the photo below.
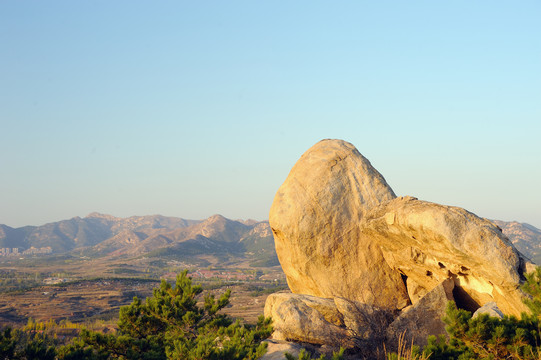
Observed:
{"x":4,"y":252}
{"x":214,"y":274}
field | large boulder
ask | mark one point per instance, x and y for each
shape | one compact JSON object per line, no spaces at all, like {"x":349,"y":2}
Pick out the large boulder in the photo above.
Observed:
{"x":315,"y":220}
{"x":340,"y":232}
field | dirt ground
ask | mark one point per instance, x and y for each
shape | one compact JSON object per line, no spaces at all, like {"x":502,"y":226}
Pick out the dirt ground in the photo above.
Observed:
{"x":95,"y":289}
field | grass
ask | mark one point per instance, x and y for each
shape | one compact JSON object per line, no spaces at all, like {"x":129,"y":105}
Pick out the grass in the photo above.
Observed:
{"x":404,"y":352}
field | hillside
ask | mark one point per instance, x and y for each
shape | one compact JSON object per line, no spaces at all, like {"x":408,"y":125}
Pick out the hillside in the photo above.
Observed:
{"x":99,"y":235}
{"x":105,"y":261}
{"x":525,"y":237}
{"x":66,"y":235}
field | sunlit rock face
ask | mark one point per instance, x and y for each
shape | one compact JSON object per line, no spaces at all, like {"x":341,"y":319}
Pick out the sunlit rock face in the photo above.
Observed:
{"x":340,"y":231}
{"x":424,"y":317}
{"x":315,"y":220}
{"x":429,"y":243}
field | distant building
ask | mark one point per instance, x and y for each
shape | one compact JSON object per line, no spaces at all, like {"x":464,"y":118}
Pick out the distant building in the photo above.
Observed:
{"x":9,"y":251}
{"x":54,"y":281}
{"x":38,"y":251}
{"x":224,"y":275}
{"x":31,"y":251}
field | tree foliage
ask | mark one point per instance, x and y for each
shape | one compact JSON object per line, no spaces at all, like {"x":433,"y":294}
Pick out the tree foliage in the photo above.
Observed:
{"x":532,"y":287}
{"x":170,"y":325}
{"x":25,"y":345}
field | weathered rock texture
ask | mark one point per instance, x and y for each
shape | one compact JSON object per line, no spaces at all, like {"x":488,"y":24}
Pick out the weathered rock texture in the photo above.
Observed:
{"x":305,"y":318}
{"x":276,"y":349}
{"x":315,"y":219}
{"x":342,"y":234}
{"x":491,"y":309}
{"x":424,"y":318}
{"x":315,"y":320}
{"x":429,"y":243}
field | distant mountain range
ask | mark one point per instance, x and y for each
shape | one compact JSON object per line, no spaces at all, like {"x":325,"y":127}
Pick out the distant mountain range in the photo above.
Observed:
{"x":99,"y":235}
{"x":525,"y":237}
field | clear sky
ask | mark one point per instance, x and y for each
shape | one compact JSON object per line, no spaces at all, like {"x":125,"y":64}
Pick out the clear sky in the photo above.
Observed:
{"x":192,"y":108}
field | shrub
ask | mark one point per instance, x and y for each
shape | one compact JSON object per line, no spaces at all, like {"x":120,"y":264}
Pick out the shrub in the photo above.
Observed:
{"x":26,"y":345}
{"x":170,"y":325}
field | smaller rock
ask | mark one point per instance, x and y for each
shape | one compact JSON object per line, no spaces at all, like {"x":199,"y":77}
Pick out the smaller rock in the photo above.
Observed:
{"x":491,"y":309}
{"x":529,"y":267}
{"x":306,"y":318}
{"x":276,"y":349}
{"x":422,"y":319}
{"x":364,"y":322}
{"x":415,"y":291}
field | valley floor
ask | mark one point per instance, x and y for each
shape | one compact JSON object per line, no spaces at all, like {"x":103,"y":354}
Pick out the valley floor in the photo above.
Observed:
{"x":91,"y":292}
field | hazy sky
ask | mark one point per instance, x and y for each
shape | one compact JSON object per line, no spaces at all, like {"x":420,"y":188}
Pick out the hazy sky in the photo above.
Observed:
{"x":192,"y":108}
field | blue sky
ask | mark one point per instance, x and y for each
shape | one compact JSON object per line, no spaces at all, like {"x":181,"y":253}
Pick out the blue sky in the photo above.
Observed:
{"x":195,"y":108}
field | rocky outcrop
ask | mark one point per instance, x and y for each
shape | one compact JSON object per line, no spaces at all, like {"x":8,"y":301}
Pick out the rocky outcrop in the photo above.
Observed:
{"x":342,"y":234}
{"x":315,"y":221}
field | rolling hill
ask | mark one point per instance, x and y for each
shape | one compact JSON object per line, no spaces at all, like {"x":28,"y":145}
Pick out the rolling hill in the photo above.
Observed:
{"x":99,"y":235}
{"x":525,"y":237}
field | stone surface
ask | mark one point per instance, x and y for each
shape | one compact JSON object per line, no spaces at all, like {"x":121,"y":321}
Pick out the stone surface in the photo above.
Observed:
{"x":276,"y":349}
{"x":315,"y":220}
{"x":419,"y":321}
{"x":336,"y":322}
{"x":429,"y":243}
{"x":364,"y":322}
{"x":490,"y":309}
{"x":305,"y":318}
{"x":415,"y":291}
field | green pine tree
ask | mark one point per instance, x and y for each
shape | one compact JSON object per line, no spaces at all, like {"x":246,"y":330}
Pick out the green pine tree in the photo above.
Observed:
{"x":170,"y":325}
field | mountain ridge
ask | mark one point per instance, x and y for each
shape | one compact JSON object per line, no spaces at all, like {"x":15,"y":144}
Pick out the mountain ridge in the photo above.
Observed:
{"x":525,"y":237}
{"x":101,"y":235}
